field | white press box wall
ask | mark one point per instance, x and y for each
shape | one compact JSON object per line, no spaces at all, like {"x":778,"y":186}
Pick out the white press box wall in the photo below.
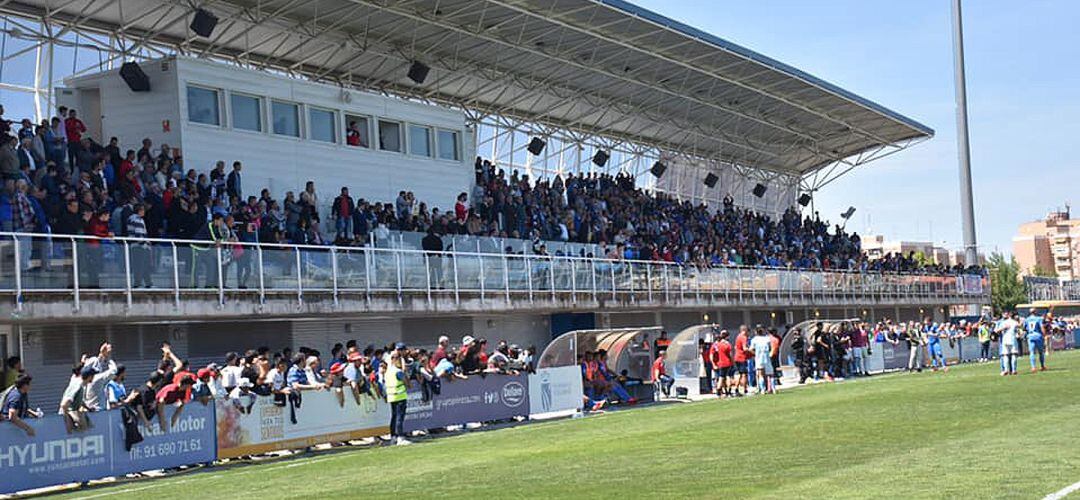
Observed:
{"x":277,"y":162}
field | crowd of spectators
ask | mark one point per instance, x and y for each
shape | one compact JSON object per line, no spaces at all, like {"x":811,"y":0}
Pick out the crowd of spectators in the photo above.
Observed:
{"x":59,"y":180}
{"x":98,"y":382}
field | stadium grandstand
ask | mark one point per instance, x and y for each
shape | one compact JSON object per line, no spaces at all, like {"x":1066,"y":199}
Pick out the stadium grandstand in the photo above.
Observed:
{"x":195,"y":180}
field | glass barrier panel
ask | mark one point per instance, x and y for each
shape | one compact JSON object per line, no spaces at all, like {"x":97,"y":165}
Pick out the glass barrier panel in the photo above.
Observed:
{"x":562,"y":271}
{"x":518,"y":276}
{"x":414,"y":274}
{"x":316,"y":268}
{"x":279,"y":269}
{"x":352,"y":268}
{"x":101,"y":265}
{"x":468,"y":269}
{"x":47,"y":266}
{"x":493,"y":273}
{"x":540,"y":267}
{"x":440,"y":271}
{"x":239,"y":265}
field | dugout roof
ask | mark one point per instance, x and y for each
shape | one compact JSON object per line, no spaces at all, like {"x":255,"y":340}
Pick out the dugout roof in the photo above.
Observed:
{"x":595,"y":67}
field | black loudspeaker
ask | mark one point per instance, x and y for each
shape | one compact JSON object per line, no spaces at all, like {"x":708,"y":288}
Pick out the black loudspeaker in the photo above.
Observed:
{"x":710,"y":180}
{"x":658,"y":169}
{"x":804,"y":199}
{"x":536,"y":146}
{"x":203,"y":23}
{"x":134,"y":77}
{"x":600,"y":158}
{"x":759,"y":190}
{"x":418,"y":72}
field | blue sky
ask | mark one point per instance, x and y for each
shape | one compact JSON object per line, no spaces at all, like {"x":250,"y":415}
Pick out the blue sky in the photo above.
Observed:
{"x":1023,"y":101}
{"x":1023,"y":91}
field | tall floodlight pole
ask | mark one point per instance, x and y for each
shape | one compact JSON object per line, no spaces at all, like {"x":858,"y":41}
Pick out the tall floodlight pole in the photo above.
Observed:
{"x":967,"y":206}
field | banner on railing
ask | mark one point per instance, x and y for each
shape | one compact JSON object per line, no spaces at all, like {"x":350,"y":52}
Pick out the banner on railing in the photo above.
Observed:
{"x":478,"y":399}
{"x":316,"y":417}
{"x":969,"y":284}
{"x":555,"y":390}
{"x":53,"y":456}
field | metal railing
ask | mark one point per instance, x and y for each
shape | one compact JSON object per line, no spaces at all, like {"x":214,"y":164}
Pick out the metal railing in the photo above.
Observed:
{"x":41,"y":264}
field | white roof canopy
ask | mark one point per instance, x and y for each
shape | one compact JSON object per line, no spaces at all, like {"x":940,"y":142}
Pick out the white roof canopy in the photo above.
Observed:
{"x":597,"y":67}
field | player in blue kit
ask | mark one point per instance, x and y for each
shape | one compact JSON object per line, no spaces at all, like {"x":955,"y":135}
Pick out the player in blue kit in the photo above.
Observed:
{"x":1035,"y":327}
{"x":933,"y":334}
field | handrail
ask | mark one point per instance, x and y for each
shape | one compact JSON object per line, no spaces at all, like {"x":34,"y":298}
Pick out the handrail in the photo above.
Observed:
{"x":180,"y":265}
{"x":291,"y":246}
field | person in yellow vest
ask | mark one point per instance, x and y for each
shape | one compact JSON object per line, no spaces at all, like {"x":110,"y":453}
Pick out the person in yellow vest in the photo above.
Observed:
{"x":396,"y":387}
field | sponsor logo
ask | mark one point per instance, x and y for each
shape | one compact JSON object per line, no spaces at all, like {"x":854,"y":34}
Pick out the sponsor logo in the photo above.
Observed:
{"x":545,"y":390}
{"x":51,"y":451}
{"x":513,"y":394}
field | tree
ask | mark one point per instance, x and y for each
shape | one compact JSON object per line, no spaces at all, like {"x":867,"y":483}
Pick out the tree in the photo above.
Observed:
{"x":1043,"y":273}
{"x":1006,"y":288}
{"x":922,"y":259}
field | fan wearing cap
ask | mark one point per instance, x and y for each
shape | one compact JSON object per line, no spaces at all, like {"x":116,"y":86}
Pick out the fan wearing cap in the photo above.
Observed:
{"x":335,"y":383}
{"x":73,"y":404}
{"x":468,"y":357}
{"x":174,"y":394}
{"x":354,"y":375}
{"x":200,"y":391}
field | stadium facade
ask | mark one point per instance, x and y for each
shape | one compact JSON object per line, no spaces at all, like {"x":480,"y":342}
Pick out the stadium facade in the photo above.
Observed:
{"x":586,"y":76}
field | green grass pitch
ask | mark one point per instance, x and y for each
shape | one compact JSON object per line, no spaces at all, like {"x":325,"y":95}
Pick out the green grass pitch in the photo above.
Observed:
{"x":968,"y":433}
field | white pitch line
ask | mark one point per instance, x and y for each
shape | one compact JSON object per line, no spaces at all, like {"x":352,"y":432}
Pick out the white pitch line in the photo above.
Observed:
{"x":1064,"y":492}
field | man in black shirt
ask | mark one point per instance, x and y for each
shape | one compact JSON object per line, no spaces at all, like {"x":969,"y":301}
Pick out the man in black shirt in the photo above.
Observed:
{"x":433,"y":243}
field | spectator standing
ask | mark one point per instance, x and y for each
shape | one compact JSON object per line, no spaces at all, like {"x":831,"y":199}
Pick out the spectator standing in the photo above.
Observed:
{"x":984,"y":341}
{"x":309,"y":197}
{"x":461,"y":209}
{"x":396,"y":387}
{"x":139,"y":250}
{"x":233,"y":184}
{"x":74,"y":128}
{"x":9,"y":159}
{"x":15,"y":405}
{"x":13,"y":369}
{"x":342,"y":214}
{"x":23,"y":220}
{"x":230,"y":375}
{"x":28,"y":161}
{"x":433,"y":243}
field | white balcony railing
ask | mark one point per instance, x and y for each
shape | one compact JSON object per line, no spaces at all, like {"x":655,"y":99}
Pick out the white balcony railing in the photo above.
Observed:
{"x":35,"y":265}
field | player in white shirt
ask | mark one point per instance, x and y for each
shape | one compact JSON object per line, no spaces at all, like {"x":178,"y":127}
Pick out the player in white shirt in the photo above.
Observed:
{"x":761,"y":345}
{"x":1006,"y":328}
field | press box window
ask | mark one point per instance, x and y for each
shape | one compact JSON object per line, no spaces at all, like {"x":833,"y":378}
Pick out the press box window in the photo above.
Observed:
{"x":246,"y":112}
{"x":321,"y":125}
{"x":419,"y":140}
{"x":390,"y":136}
{"x":202,"y":106}
{"x":286,"y":118}
{"x":448,"y":145}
